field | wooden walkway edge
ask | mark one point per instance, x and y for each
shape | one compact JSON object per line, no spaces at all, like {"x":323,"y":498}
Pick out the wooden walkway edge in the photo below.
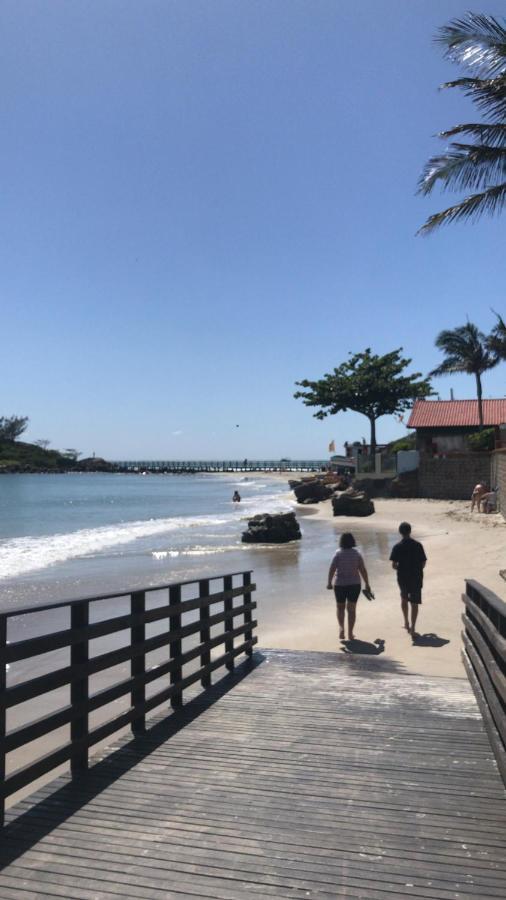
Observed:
{"x":304,"y":775}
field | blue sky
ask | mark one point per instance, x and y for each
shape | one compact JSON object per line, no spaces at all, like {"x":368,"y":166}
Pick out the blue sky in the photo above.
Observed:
{"x":204,"y":202}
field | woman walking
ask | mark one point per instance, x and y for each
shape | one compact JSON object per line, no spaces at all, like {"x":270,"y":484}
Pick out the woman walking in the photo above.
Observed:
{"x":348,"y":568}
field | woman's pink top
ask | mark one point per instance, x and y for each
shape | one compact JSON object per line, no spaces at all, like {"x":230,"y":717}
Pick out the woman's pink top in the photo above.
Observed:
{"x":347,"y":562}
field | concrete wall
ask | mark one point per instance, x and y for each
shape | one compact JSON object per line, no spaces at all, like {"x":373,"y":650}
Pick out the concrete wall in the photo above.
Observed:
{"x":454,"y":478}
{"x":407,"y":460}
{"x":498,"y":477}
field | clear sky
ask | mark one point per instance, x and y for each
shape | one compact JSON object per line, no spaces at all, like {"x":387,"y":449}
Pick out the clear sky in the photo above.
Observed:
{"x":204,"y":201}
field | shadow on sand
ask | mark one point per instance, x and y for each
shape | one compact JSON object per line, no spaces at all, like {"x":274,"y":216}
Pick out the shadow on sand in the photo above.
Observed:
{"x":429,"y":640}
{"x":365,"y":647}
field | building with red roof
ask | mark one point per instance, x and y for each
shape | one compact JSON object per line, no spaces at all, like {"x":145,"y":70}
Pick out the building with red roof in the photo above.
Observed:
{"x":443,"y":426}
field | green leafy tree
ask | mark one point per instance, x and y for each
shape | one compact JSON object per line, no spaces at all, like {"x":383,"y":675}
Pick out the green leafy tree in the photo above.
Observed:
{"x":12,"y":427}
{"x":366,"y":383}
{"x":476,"y":161}
{"x":466,"y":350}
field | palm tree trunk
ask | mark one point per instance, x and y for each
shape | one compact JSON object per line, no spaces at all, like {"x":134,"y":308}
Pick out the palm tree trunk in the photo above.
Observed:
{"x":372,"y":420}
{"x":480,"y":403}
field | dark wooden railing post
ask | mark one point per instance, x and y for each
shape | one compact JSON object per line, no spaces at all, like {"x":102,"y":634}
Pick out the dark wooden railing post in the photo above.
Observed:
{"x":79,"y":651}
{"x":176,"y":673}
{"x":205,"y":632}
{"x":248,"y":634}
{"x":138,"y":660}
{"x":3,"y":712}
{"x":229,"y":623}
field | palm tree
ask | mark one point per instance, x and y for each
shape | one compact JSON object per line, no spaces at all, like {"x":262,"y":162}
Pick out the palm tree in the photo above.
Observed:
{"x":478,"y":43}
{"x":467,"y":351}
{"x":496,"y":341}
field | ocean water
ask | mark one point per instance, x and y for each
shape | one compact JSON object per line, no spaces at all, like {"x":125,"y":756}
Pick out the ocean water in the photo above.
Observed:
{"x":73,"y":535}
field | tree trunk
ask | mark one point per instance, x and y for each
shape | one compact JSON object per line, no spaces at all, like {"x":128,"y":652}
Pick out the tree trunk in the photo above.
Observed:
{"x":372,"y":420}
{"x":480,"y":404}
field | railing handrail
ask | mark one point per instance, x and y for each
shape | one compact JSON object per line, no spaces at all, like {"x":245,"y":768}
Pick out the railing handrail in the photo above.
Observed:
{"x":484,"y":656}
{"x":84,"y":733}
{"x":488,"y":595}
{"x":116,"y":595}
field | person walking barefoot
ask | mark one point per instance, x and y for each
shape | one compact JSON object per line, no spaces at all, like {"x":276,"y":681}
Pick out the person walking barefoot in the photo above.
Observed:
{"x":347,"y":568}
{"x":408,"y":559}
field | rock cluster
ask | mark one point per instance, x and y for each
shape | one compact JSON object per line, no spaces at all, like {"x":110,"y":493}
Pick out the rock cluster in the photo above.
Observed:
{"x":276,"y":529}
{"x":352,"y":503}
{"x":317,"y":487}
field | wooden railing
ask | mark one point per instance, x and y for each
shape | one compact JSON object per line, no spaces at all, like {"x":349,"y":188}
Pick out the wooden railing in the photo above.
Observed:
{"x":176,"y":644}
{"x":484,"y":657}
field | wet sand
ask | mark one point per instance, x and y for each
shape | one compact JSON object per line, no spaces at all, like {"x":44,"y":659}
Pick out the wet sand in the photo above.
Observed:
{"x":458,"y":544}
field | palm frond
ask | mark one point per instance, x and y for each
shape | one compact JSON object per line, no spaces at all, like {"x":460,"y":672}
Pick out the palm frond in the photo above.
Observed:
{"x":493,"y":134}
{"x":466,"y":350}
{"x":489,"y":201}
{"x":489,"y":94}
{"x":476,"y":41}
{"x":464,"y":167}
{"x":496,"y":341}
{"x":448,"y":367}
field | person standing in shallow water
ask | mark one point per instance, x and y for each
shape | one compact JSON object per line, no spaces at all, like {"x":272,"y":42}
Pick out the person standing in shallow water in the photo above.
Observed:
{"x":408,"y":559}
{"x":348,"y":568}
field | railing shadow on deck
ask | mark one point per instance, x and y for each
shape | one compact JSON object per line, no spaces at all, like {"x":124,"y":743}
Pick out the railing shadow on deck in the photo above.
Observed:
{"x":156,"y":641}
{"x":30,"y":826}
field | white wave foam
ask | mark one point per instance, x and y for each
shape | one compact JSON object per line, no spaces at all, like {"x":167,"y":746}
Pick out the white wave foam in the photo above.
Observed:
{"x":21,"y":555}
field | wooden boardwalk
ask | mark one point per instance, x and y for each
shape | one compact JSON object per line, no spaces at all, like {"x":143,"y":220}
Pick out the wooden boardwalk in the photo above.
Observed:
{"x":308,"y":775}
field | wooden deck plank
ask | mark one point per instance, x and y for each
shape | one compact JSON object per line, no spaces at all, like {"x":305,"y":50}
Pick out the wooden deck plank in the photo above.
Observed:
{"x":315,"y":774}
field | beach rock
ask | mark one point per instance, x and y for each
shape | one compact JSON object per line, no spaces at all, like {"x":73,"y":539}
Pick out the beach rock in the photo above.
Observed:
{"x":352,"y":503}
{"x":374,"y":487}
{"x":276,"y":529}
{"x":405,"y":485}
{"x":312,"y":492}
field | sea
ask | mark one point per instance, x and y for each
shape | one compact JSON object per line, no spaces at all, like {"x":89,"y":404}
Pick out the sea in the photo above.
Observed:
{"x":66,"y":536}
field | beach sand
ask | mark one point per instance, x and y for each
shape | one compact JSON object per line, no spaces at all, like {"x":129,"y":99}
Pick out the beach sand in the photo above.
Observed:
{"x":458,"y":545}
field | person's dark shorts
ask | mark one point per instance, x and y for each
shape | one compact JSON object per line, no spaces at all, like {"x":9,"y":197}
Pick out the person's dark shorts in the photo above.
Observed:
{"x":411,"y":590}
{"x":347,"y":592}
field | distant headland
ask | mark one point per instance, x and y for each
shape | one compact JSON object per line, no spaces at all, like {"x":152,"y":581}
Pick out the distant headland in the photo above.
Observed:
{"x":21,"y":457}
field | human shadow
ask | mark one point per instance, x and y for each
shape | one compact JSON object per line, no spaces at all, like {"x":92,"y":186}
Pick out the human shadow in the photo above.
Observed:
{"x":429,"y":640}
{"x":58,"y":801}
{"x":364,"y":647}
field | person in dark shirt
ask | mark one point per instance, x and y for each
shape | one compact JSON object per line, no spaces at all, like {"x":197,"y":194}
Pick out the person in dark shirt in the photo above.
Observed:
{"x":408,"y":559}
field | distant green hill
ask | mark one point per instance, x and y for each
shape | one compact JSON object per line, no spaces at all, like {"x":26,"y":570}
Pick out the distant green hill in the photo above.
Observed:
{"x":18,"y":456}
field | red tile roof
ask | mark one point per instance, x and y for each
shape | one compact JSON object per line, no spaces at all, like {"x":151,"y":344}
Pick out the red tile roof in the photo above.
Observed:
{"x":456,"y":413}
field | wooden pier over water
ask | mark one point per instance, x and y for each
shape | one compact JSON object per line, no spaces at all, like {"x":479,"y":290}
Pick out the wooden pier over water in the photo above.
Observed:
{"x":294,"y":775}
{"x":192,"y":467}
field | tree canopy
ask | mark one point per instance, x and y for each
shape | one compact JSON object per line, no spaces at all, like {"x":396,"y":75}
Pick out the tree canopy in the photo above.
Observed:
{"x":12,"y":427}
{"x":476,"y":161}
{"x":366,"y":383}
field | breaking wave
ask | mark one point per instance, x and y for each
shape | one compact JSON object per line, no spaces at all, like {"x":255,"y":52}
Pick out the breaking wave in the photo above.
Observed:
{"x":21,"y":555}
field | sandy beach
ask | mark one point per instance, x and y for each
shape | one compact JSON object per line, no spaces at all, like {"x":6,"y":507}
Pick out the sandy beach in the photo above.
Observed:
{"x":458,"y":544}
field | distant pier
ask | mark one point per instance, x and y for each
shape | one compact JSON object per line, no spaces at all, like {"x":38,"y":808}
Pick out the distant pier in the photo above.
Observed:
{"x":191,"y":467}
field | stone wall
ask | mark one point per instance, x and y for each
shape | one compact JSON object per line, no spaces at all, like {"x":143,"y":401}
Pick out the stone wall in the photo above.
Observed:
{"x":453,"y":478}
{"x":498,"y":477}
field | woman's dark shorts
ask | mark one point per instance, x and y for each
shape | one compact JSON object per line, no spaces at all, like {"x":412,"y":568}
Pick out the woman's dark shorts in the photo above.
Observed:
{"x":349,"y":592}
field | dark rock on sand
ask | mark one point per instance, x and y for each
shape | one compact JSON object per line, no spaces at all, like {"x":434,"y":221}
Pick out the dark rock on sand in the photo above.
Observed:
{"x":352,"y":503}
{"x":312,"y":492}
{"x":277,"y":529}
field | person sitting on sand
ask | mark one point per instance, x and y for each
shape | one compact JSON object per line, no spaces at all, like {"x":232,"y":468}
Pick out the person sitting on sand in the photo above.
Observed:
{"x":348,"y":567}
{"x":408,"y":559}
{"x":476,"y":497}
{"x":237,"y":497}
